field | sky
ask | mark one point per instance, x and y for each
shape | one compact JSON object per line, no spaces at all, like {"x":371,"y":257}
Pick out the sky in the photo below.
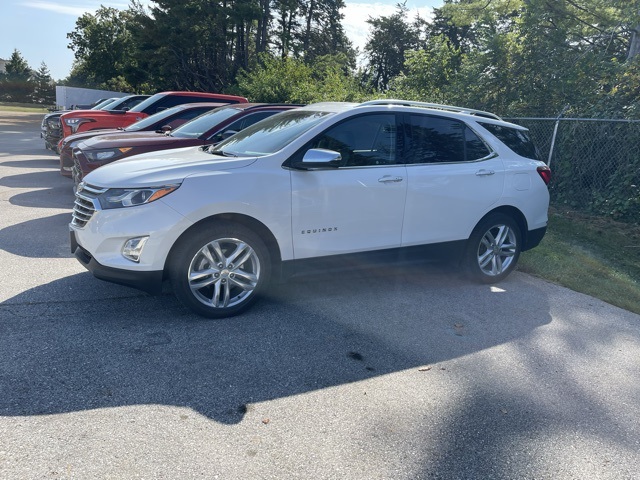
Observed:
{"x":38,"y":28}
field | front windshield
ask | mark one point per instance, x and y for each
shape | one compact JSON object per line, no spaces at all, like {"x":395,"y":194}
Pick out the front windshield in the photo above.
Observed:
{"x":148,"y":101}
{"x":116,"y":104}
{"x":269,"y":135}
{"x":103,"y":103}
{"x":202,"y":123}
{"x":151,"y":119}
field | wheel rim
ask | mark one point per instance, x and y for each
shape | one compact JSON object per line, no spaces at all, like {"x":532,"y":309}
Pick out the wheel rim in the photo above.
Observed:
{"x":497,"y":250}
{"x":224,"y":273}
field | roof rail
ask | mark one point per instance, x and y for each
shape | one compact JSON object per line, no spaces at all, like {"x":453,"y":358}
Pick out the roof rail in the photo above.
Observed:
{"x":437,"y":106}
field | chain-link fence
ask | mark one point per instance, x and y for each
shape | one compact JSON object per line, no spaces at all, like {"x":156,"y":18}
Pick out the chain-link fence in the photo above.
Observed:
{"x":595,"y":163}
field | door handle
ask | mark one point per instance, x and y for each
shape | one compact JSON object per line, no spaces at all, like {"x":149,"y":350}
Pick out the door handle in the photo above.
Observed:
{"x":390,"y":179}
{"x":484,"y":173}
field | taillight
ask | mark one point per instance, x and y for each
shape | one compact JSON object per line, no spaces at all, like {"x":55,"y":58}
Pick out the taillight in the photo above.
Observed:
{"x":545,"y":174}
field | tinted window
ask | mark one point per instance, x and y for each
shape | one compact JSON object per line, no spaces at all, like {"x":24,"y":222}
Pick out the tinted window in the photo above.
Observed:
{"x":442,"y":140}
{"x":434,"y":140}
{"x":516,"y":139}
{"x":475,"y":147}
{"x":362,"y":141}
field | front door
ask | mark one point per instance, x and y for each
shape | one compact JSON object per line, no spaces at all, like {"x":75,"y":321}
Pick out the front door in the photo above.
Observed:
{"x":358,"y":204}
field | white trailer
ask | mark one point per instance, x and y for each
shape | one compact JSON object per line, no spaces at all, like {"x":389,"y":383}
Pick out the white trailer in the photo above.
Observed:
{"x":68,"y":97}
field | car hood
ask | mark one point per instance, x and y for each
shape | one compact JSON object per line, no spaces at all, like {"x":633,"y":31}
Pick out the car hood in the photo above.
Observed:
{"x":57,"y":113}
{"x":161,"y":168}
{"x":128,"y":139}
{"x":77,"y":137}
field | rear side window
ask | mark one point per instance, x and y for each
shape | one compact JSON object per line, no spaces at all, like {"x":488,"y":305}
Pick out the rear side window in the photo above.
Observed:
{"x":516,"y":139}
{"x":442,"y":140}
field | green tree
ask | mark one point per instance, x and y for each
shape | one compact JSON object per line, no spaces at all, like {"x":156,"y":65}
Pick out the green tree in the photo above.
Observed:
{"x":294,"y":81}
{"x":16,"y":84}
{"x":322,"y":32}
{"x":391,"y":37}
{"x":44,"y":91}
{"x":526,"y":57}
{"x":197,"y":45}
{"x":104,"y":48}
{"x":429,"y":72}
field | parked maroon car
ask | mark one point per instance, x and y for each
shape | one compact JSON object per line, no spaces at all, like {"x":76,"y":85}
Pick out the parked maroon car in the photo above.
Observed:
{"x":161,"y":122}
{"x":208,"y":128}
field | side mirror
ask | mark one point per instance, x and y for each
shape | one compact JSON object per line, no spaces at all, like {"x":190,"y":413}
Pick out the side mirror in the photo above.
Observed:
{"x":320,"y":158}
{"x":164,"y":129}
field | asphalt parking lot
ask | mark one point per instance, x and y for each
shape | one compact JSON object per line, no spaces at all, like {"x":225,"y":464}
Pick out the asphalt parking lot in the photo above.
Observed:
{"x":401,"y":373}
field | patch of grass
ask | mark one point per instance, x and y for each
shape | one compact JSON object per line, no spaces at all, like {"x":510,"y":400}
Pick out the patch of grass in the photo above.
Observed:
{"x":22,"y":107}
{"x":595,"y":256}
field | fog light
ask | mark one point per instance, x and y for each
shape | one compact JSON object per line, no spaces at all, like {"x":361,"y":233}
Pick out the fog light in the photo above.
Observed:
{"x":133,"y":248}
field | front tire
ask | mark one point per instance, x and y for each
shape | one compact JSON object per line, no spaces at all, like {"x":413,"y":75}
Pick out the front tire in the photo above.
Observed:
{"x":219,"y":269}
{"x":493,"y":248}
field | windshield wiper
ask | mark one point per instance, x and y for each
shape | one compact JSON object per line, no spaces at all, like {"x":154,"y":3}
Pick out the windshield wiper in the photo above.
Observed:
{"x":221,"y":153}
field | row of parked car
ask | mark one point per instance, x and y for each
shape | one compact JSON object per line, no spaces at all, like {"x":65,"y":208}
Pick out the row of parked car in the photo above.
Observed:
{"x":222,"y":196}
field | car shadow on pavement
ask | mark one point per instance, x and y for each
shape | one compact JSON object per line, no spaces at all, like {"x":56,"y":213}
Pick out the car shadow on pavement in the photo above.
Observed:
{"x":57,"y":197}
{"x":49,"y":179}
{"x":36,"y":163}
{"x":80,"y":352}
{"x":28,"y":150}
{"x":44,"y":237}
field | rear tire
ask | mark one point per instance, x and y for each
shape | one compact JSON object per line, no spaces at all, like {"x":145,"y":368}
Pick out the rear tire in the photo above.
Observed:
{"x":493,"y":248}
{"x":219,"y":269}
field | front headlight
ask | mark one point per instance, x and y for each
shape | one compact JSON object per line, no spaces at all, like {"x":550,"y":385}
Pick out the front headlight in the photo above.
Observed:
{"x":105,"y":154}
{"x":130,"y":197}
{"x":74,"y":123}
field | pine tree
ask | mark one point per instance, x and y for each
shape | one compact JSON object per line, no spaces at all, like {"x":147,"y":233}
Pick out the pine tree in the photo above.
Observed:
{"x":44,"y":87}
{"x":16,"y":83}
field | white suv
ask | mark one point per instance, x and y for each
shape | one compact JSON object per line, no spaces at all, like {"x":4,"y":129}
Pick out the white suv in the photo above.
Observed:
{"x":314,"y":185}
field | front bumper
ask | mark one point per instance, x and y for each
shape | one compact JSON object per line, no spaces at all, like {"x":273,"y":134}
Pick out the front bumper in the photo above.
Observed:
{"x":147,"y":281}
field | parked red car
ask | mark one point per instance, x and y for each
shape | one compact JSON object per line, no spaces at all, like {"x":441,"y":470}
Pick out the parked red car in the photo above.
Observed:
{"x":163,"y":121}
{"x":52,"y":128}
{"x":206,"y":129}
{"x":81,"y":121}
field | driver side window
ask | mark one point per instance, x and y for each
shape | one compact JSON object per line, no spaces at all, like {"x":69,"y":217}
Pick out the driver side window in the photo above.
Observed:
{"x":362,"y":141}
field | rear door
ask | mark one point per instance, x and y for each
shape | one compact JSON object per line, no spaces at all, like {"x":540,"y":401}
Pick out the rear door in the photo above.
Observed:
{"x":453,"y":179}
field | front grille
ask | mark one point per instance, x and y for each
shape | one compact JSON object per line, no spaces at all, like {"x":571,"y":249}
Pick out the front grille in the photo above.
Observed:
{"x":85,"y":206}
{"x":76,"y":169}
